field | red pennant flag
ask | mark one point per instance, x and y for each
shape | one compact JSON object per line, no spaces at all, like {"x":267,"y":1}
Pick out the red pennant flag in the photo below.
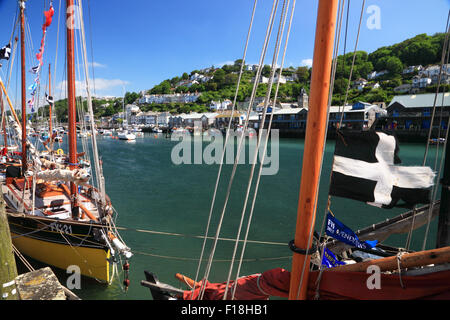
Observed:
{"x":48,"y":17}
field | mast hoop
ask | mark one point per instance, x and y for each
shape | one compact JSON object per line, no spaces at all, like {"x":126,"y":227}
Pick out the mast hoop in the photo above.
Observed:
{"x":304,"y":252}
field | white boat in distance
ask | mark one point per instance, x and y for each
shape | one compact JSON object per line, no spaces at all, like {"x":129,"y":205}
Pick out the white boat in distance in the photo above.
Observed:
{"x":125,"y":135}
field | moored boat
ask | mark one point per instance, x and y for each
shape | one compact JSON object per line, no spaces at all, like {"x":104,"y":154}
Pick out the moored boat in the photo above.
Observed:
{"x":126,"y":135}
{"x":58,"y":213}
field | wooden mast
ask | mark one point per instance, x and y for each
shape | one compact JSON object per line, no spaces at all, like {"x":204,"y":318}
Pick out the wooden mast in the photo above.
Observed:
{"x":24,"y":100}
{"x":70,"y":16}
{"x":5,"y":137}
{"x":314,"y":144}
{"x":50,"y":129}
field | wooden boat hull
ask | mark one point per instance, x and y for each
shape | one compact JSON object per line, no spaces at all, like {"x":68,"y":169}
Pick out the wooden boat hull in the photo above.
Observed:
{"x":62,"y":244}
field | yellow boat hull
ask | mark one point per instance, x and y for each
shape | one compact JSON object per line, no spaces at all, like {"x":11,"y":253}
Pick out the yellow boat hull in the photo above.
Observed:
{"x":93,"y":262}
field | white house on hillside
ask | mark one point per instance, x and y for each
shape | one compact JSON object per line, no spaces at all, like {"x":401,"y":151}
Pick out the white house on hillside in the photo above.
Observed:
{"x":421,"y":82}
{"x":434,"y":70}
{"x":411,"y":69}
{"x":282,"y":79}
{"x":403,"y":88}
{"x":376,"y":74}
{"x":251,"y":67}
{"x":360,"y":83}
{"x":262,"y":79}
{"x":219,"y":106}
{"x":208,"y":119}
{"x":162,"y":119}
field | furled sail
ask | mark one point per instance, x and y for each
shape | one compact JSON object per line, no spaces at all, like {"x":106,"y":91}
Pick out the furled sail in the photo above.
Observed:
{"x":30,"y":146}
{"x":261,"y":286}
{"x":78,"y":176}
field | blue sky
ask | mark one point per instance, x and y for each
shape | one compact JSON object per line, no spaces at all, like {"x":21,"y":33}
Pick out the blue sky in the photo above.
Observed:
{"x":139,"y":43}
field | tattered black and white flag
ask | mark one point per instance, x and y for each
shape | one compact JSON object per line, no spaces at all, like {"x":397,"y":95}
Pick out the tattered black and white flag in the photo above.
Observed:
{"x":35,"y":69}
{"x":5,"y":52}
{"x":49,"y":99}
{"x":366,"y":168}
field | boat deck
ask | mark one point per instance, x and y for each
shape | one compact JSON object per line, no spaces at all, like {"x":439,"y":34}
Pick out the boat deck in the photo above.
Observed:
{"x":54,"y":204}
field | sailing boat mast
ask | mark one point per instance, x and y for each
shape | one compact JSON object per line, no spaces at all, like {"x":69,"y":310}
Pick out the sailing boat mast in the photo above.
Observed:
{"x":50,"y":129}
{"x":97,"y":164}
{"x":314,"y":144}
{"x":123,"y":111}
{"x":71,"y":101}
{"x":5,"y":137}
{"x":24,"y":100}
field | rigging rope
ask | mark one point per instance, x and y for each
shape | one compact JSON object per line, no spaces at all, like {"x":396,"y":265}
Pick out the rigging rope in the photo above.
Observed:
{"x":56,"y":50}
{"x":215,"y":260}
{"x":226,"y":140}
{"x":353,"y":63}
{"x":97,"y":165}
{"x":92,"y":48}
{"x":437,"y":89}
{"x":278,"y":42}
{"x":435,"y":187}
{"x":22,"y":258}
{"x":268,"y":33}
{"x":258,"y":74}
{"x":198,"y":237}
{"x":445,"y":47}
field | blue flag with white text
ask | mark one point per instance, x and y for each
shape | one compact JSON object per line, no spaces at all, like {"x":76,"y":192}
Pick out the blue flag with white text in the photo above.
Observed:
{"x":329,"y":259}
{"x":341,"y":232}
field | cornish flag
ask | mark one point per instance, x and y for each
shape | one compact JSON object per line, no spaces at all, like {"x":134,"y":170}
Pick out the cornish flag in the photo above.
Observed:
{"x":49,"y":99}
{"x":35,"y":69}
{"x":5,"y":52}
{"x":366,"y":168}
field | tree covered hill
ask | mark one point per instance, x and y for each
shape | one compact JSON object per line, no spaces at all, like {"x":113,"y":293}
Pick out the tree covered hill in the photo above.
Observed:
{"x":218,"y":84}
{"x":420,"y":50}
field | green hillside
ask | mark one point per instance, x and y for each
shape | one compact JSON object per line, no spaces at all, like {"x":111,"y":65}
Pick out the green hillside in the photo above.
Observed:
{"x":420,"y":50}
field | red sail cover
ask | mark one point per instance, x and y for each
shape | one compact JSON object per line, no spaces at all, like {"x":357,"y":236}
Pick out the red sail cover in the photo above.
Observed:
{"x":260,"y":286}
{"x":347,"y":285}
{"x":336,"y":285}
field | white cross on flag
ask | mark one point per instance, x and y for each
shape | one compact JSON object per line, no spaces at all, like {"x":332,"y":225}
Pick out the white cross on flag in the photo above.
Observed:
{"x":366,"y":168}
{"x":49,"y":98}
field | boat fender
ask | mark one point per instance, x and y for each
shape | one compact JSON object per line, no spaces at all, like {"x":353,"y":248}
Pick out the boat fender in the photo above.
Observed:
{"x":120,"y":246}
{"x":126,"y":280}
{"x":105,"y":238}
{"x":108,"y":210}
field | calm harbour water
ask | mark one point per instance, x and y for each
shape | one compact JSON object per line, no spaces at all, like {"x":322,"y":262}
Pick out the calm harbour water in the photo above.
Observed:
{"x":153,"y":194}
